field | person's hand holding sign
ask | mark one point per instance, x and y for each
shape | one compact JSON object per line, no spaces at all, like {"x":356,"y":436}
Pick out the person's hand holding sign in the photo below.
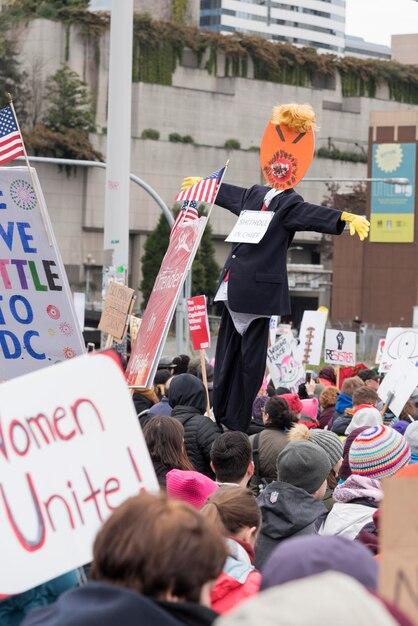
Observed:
{"x":358,"y":224}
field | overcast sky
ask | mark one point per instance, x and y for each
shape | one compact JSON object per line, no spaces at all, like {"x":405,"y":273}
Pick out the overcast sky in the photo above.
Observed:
{"x":377,"y":20}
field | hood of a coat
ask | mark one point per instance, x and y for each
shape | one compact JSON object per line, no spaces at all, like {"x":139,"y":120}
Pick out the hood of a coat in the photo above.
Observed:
{"x":188,"y":391}
{"x":287,"y":510}
{"x":100,"y":603}
{"x":344,"y":402}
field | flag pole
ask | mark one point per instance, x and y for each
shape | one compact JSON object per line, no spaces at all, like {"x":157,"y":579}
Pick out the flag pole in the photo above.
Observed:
{"x":34,"y":185}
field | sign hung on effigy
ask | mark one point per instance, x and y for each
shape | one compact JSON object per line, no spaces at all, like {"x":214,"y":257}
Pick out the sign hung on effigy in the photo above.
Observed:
{"x":67,"y":461}
{"x":311,"y":336}
{"x":283,"y":365}
{"x":38,"y":323}
{"x":340,"y":347}
{"x":400,"y":343}
{"x":159,"y":311}
{"x":250,"y":227}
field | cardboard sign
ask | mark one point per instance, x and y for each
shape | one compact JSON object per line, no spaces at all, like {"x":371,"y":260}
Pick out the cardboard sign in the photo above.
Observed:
{"x":38,"y":324}
{"x":198,"y":322}
{"x":398,"y":384}
{"x":340,"y":347}
{"x":311,"y":337}
{"x":67,"y":459}
{"x":285,"y":370}
{"x":116,"y":308}
{"x":134,"y":326}
{"x":398,"y":532}
{"x":159,"y":312}
{"x":250,"y":227}
{"x":399,"y":343}
{"x":379,"y":351}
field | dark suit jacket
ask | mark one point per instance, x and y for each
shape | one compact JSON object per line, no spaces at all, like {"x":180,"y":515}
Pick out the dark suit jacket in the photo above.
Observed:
{"x":257,"y":281}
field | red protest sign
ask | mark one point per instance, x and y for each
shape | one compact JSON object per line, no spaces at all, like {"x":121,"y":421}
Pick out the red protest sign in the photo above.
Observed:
{"x":198,"y":322}
{"x":161,"y":305}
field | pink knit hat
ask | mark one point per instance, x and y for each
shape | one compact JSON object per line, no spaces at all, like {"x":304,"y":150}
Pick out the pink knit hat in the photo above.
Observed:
{"x":310,"y":407}
{"x":191,"y":487}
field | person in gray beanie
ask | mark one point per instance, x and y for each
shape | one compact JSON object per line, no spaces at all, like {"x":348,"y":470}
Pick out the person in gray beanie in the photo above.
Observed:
{"x":292,"y":505}
{"x":411,"y":435}
{"x":333,"y":448}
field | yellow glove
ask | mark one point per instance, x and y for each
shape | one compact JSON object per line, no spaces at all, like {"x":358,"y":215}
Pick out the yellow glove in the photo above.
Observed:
{"x":358,"y":224}
{"x":189,"y":181}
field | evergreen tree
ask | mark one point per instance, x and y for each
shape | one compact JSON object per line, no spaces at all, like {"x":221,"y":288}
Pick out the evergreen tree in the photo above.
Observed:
{"x":204,"y":271}
{"x":12,"y":79}
{"x":69,"y":102}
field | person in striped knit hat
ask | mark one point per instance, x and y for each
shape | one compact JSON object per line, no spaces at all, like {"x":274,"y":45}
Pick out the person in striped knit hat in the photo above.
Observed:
{"x":376,"y":453}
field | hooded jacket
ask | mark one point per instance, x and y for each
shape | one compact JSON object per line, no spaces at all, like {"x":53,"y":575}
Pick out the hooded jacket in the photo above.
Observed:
{"x":325,"y":417}
{"x":356,"y":501}
{"x":287,"y":511}
{"x":344,"y":402}
{"x":187,"y":396}
{"x":239,"y":579}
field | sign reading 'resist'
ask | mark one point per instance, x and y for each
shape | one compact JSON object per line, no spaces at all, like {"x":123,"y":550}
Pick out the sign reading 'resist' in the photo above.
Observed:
{"x":71,"y":451}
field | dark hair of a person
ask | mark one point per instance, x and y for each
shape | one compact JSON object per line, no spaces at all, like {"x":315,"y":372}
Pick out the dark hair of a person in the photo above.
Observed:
{"x":280,"y":391}
{"x":156,"y":546}
{"x":364,"y":395}
{"x":409,"y":411}
{"x":164,"y":437}
{"x":231,"y":454}
{"x":231,"y":509}
{"x":279,"y":416}
{"x":182,"y":361}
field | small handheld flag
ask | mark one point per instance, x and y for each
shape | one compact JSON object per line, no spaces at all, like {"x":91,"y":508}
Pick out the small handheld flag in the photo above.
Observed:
{"x":11,"y":142}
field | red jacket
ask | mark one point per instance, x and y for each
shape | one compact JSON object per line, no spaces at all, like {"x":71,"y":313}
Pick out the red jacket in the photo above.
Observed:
{"x":239,"y":579}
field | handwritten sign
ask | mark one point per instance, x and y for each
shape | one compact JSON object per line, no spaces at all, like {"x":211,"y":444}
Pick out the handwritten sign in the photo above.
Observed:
{"x":311,"y":336}
{"x":250,"y":227}
{"x":38,"y":324}
{"x":340,"y":347}
{"x":117,"y":306}
{"x":162,"y":302}
{"x":198,"y":322}
{"x":67,"y":459}
{"x":285,"y":370}
{"x":398,"y":384}
{"x":398,"y":531}
{"x":400,"y":343}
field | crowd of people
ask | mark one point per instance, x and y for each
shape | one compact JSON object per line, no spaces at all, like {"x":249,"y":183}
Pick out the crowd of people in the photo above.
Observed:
{"x":279,"y":525}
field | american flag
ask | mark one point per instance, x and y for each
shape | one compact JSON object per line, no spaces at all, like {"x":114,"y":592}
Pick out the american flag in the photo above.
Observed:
{"x":203,"y":191}
{"x":11,"y":142}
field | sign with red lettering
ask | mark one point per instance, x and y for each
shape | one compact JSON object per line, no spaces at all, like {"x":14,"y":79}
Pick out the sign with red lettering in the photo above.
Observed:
{"x":67,"y":459}
{"x":38,"y":323}
{"x":198,"y":322}
{"x":340,"y":347}
{"x":162,"y":302}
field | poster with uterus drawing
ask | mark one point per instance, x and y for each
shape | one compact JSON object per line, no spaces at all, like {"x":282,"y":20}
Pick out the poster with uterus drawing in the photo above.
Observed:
{"x":400,"y":343}
{"x":285,"y":369}
{"x":38,"y":323}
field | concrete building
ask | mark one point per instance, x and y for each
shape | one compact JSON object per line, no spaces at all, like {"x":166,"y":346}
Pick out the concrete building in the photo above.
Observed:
{"x":405,"y":48}
{"x":311,"y":23}
{"x":212,"y":109}
{"x":358,"y":47}
{"x":158,"y":9}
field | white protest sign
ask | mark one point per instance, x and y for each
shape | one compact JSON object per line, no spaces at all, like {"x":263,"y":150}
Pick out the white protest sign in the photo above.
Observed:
{"x":340,"y":347}
{"x":311,"y":337}
{"x":250,"y":227}
{"x":71,"y":451}
{"x":400,"y":343}
{"x":398,"y":384}
{"x":285,"y":370}
{"x":79,"y":298}
{"x":38,"y":324}
{"x":379,"y":351}
{"x":274,"y":322}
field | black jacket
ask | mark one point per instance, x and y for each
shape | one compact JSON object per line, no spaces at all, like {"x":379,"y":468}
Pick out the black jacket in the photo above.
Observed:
{"x":257,"y":281}
{"x":287,"y":511}
{"x":188,"y":398}
{"x":101,"y":604}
